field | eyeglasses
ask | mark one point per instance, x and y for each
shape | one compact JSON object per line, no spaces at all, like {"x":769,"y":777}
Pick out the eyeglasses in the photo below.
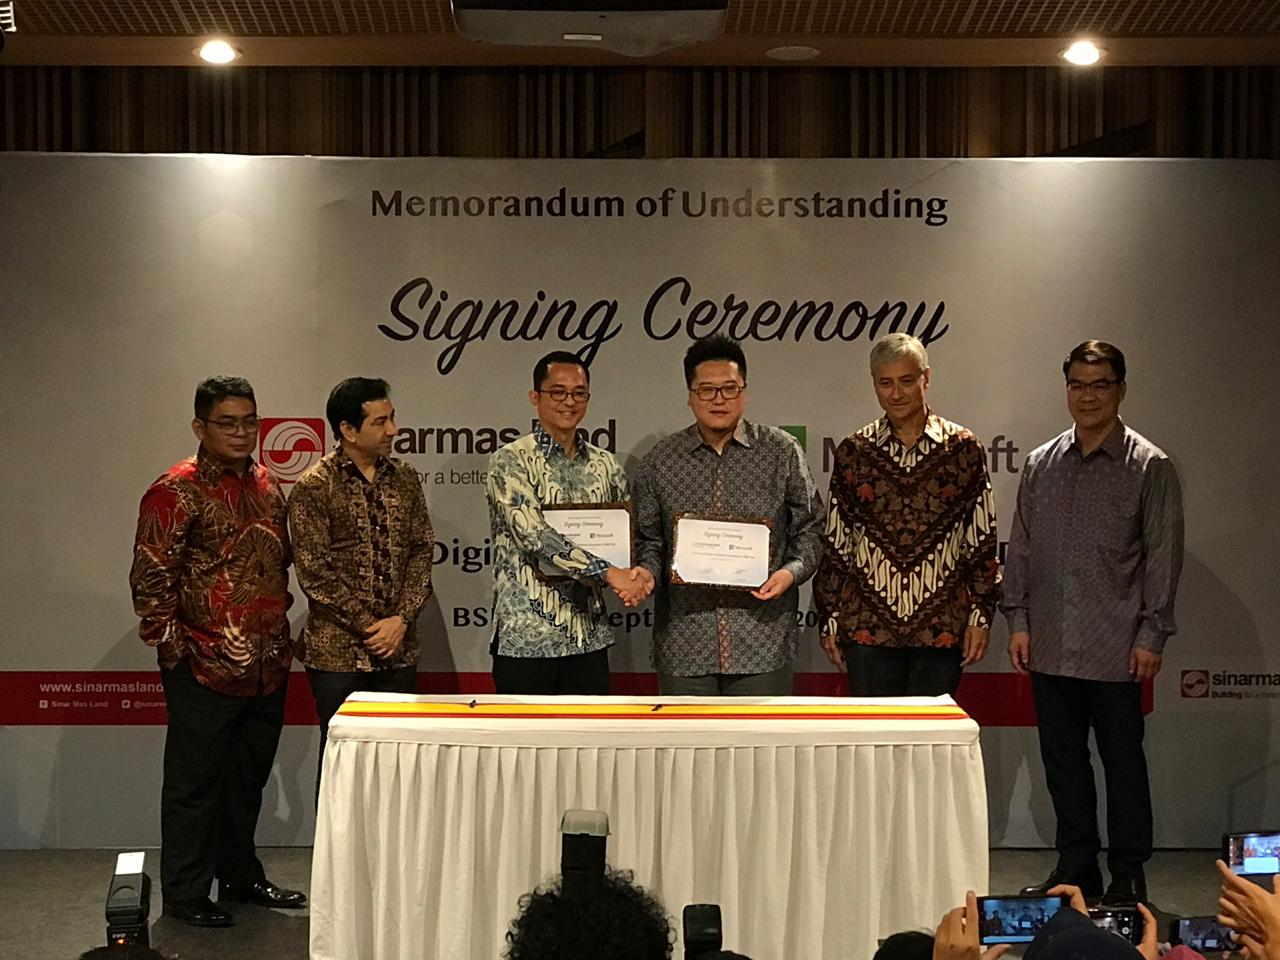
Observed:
{"x":560,"y":394}
{"x":1096,"y":387}
{"x":231,"y":426}
{"x":730,"y":391}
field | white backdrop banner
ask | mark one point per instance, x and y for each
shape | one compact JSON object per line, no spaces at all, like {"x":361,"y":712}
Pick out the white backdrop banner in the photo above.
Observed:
{"x":125,"y":280}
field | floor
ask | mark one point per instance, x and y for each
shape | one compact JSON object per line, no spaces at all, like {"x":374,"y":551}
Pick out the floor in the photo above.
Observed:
{"x":53,"y":902}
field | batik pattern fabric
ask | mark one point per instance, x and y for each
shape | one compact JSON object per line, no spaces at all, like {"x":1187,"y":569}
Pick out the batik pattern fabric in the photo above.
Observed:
{"x":761,"y":474}
{"x":210,"y":575}
{"x":548,"y":598}
{"x":363,"y":551}
{"x":1095,"y":554}
{"x":912,"y":546}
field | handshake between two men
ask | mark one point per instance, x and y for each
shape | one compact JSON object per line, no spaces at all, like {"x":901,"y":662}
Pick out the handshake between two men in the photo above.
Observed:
{"x":634,"y":585}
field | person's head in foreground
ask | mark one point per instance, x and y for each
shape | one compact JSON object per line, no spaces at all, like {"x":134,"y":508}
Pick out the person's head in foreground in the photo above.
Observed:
{"x":613,"y":918}
{"x":908,"y":945}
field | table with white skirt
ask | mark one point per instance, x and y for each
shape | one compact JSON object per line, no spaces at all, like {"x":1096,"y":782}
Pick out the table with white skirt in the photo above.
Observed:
{"x":819,"y":825}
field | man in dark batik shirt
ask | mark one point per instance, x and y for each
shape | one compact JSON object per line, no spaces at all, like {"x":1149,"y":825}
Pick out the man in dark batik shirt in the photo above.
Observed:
{"x":362,"y":545}
{"x":1091,"y":572}
{"x":210,"y":583}
{"x":907,"y":587}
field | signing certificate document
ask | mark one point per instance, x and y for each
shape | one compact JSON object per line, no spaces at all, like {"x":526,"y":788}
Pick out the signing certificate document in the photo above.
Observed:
{"x":723,"y":553}
{"x":603,"y":529}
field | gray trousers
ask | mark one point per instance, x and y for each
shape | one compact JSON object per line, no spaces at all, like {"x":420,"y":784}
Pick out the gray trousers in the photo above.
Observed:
{"x":775,"y":683}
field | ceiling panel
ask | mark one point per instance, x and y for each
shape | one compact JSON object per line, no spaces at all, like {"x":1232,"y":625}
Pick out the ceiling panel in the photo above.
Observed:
{"x":844,"y":32}
{"x":941,"y":19}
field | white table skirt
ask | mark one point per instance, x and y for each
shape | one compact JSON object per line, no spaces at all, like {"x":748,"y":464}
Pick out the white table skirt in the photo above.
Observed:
{"x":815,"y":838}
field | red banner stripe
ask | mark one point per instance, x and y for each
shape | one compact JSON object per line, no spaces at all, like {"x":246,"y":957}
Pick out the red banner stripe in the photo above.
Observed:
{"x":134,"y":697}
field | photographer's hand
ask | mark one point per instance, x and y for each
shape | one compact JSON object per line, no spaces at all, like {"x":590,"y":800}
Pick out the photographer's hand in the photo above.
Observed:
{"x":1075,"y":898}
{"x":1252,"y":912}
{"x":957,"y":935}
{"x":1150,"y":945}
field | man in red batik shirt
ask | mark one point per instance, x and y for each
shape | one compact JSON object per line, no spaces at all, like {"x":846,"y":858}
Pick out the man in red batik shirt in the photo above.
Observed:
{"x":210,"y":583}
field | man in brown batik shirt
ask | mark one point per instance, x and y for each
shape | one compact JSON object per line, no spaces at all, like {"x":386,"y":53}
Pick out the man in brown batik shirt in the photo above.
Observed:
{"x":362,"y":547}
{"x":909,"y":582}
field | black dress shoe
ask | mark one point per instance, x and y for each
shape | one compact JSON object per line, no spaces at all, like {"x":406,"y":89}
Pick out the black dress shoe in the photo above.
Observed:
{"x":1125,"y":891}
{"x":199,"y":912}
{"x":1088,"y":880}
{"x":264,"y":893}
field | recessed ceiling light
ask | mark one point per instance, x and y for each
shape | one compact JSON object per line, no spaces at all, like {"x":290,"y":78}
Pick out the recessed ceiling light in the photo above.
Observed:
{"x":217,"y":51}
{"x":1082,"y":53}
{"x":587,"y":37}
{"x":791,"y":53}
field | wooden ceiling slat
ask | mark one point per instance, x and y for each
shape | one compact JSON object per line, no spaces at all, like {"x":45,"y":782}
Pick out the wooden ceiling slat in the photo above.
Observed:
{"x":175,"y":12}
{"x":1206,"y":12}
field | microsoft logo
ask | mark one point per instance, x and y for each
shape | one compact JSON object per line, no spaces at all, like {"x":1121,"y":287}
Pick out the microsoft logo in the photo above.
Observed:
{"x":800,"y":432}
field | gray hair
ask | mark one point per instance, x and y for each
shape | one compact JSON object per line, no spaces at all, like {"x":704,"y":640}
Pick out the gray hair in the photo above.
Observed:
{"x":895,"y":346}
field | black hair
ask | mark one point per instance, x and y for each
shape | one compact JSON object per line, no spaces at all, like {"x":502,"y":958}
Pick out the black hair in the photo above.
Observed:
{"x":1096,"y":351}
{"x":716,"y":347}
{"x":347,"y":400}
{"x":613,"y":918}
{"x":908,"y":945}
{"x":543,"y":367}
{"x":125,"y":951}
{"x":212,"y":390}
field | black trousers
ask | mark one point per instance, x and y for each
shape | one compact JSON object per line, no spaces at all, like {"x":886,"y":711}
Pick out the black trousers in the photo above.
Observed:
{"x":218,"y":752}
{"x":586,"y":674}
{"x":1066,"y":709}
{"x":330,"y":688}
{"x":901,"y":671}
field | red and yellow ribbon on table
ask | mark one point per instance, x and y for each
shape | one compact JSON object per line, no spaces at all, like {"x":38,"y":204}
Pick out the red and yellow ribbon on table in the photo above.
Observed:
{"x":487,"y":710}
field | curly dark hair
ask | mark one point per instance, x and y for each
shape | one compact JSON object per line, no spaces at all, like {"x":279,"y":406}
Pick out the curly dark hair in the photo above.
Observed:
{"x":614,"y":918}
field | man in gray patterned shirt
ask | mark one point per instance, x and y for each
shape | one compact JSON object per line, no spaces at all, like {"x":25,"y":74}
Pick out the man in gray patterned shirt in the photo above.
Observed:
{"x":708,"y":640}
{"x":1090,"y":575}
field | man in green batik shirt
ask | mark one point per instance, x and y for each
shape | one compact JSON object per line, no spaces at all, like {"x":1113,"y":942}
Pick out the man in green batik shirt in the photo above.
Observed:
{"x":551,"y":635}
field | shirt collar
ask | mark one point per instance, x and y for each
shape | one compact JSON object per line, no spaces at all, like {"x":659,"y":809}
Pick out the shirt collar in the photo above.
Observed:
{"x":348,"y":466}
{"x":932,"y":429}
{"x":741,"y":436}
{"x":211,"y":470}
{"x":1113,"y":446}
{"x":549,"y":445}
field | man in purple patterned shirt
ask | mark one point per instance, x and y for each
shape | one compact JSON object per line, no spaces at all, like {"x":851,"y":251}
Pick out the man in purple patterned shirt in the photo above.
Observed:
{"x":1090,"y":576}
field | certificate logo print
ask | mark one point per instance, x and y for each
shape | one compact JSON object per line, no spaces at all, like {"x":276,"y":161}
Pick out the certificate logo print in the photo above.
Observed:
{"x":288,"y":446}
{"x":1195,"y":684}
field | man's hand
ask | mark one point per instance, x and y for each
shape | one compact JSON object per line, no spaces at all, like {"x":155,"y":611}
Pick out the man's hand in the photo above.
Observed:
{"x":1252,"y":912}
{"x":775,"y":586}
{"x":386,"y":636}
{"x":1020,"y":650}
{"x":957,"y":935}
{"x":975,"y":644}
{"x":632,"y":586}
{"x":1144,"y":665}
{"x":832,"y":648}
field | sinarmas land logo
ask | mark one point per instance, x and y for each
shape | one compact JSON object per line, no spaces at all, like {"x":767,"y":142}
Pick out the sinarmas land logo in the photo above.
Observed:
{"x":1195,"y":684}
{"x":288,"y":446}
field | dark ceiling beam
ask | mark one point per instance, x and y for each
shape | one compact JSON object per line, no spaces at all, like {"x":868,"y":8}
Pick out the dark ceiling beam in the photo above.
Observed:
{"x":452,"y":50}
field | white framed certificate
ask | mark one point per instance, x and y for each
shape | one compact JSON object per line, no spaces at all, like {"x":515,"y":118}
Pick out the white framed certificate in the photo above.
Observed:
{"x":602,"y":529}
{"x":720,"y":552}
